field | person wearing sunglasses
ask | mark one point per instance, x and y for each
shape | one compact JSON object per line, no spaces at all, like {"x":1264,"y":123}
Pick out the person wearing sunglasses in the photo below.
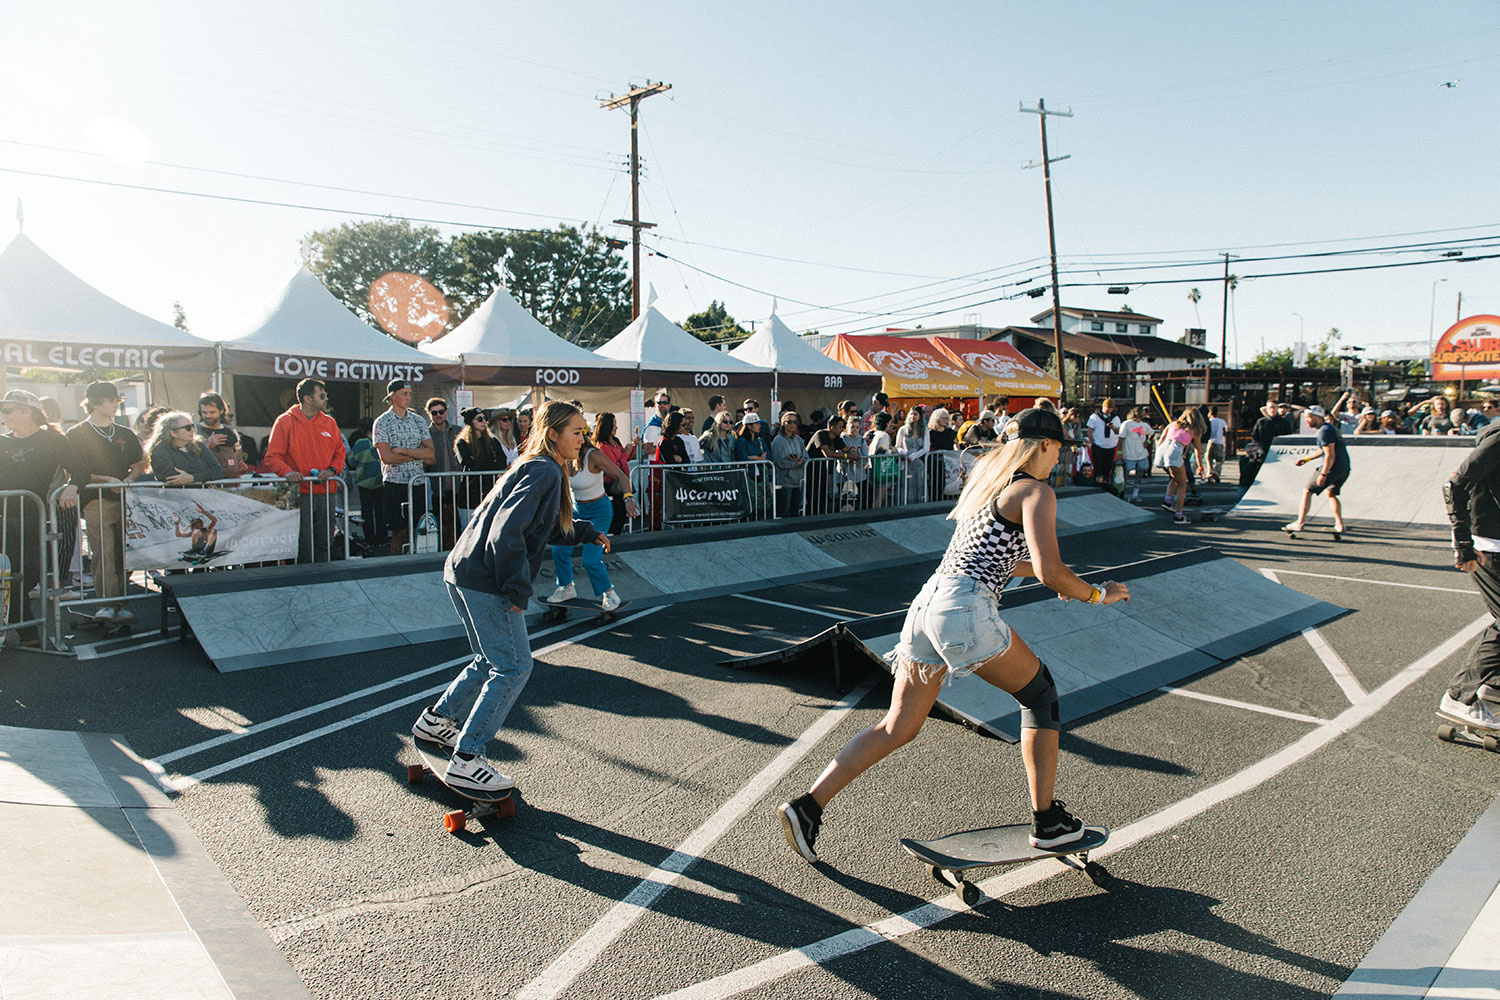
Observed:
{"x":179,"y":456}
{"x":477,"y":450}
{"x":503,"y":426}
{"x":651,"y":433}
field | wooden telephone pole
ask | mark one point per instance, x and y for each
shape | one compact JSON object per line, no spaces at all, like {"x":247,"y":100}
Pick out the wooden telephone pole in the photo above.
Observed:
{"x":1041,"y":112}
{"x":633,"y":99}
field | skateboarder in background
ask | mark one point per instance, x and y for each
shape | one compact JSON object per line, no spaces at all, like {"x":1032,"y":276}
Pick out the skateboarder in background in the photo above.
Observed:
{"x":489,"y":574}
{"x":1474,"y":693}
{"x":1006,"y":527}
{"x":1331,"y":476}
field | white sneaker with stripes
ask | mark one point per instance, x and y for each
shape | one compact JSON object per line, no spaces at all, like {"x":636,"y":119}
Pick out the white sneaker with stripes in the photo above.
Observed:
{"x":478,"y":774}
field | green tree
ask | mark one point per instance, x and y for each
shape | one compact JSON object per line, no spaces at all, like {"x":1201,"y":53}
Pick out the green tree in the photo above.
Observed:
{"x":1074,"y":385}
{"x":572,"y":281}
{"x":714,"y":324}
{"x":349,"y":258}
{"x":179,"y":316}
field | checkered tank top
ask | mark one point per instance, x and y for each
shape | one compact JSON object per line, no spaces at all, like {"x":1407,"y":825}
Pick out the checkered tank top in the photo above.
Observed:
{"x":986,"y":547}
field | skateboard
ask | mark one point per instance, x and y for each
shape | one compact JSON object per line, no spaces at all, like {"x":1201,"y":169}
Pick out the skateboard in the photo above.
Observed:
{"x":1338,"y":536}
{"x":435,"y":758}
{"x":947,"y":858}
{"x":111,"y":627}
{"x":559,"y":611}
{"x":1467,"y":734}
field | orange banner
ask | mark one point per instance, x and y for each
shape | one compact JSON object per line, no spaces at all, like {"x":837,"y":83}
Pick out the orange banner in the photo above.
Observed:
{"x":911,"y":368}
{"x":1469,"y":349}
{"x":1003,"y":370}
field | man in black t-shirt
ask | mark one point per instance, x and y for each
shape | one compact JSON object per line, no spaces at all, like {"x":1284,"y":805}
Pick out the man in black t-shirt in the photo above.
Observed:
{"x":825,"y":445}
{"x":220,"y":438}
{"x":111,"y":453}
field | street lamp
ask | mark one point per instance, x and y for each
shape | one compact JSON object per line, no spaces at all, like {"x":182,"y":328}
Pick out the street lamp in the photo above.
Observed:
{"x":1431,"y":308}
{"x":1301,"y":340}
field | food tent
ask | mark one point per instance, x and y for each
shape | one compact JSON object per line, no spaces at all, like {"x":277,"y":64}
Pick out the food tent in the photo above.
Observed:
{"x":1001,"y":369}
{"x":911,"y":368}
{"x":501,"y":349}
{"x":818,"y":381}
{"x":52,"y":319}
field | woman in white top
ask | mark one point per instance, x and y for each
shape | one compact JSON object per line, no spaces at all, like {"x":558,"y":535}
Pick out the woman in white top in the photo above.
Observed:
{"x":1135,"y":438}
{"x":503,"y":427}
{"x":911,"y":441}
{"x":591,"y":503}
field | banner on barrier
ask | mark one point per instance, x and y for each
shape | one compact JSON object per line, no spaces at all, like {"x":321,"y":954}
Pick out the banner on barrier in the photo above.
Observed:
{"x":696,"y":496}
{"x":183,"y":528}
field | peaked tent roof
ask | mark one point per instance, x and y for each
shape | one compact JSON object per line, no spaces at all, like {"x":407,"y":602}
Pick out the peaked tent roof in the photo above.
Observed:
{"x":1001,"y":368}
{"x":799,"y":365}
{"x":670,"y":356}
{"x":51,"y":318}
{"x":912,"y":368}
{"x":503,"y":344}
{"x":304,"y":331}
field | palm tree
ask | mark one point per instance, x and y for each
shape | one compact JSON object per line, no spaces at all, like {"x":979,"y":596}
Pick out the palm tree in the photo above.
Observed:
{"x":1194,"y":296}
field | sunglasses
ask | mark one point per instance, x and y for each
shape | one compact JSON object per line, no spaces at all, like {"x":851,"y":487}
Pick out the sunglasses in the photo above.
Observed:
{"x":437,"y":412}
{"x":663,"y":402}
{"x":481,"y":419}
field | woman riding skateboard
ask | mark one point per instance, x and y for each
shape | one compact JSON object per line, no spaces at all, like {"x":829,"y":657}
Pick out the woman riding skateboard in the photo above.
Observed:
{"x":489,"y":574}
{"x":1006,"y":527}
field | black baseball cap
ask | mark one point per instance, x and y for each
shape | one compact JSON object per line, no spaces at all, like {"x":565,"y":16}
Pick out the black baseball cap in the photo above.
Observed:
{"x":395,"y":385}
{"x":1035,"y":423}
{"x":100,"y":391}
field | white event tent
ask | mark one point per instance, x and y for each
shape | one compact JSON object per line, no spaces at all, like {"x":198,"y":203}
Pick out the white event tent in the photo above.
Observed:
{"x":52,"y":319}
{"x":501,"y":349}
{"x":819,"y":381}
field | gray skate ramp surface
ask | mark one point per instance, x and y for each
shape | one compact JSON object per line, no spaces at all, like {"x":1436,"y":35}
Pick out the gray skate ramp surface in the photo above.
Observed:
{"x":1392,"y":479}
{"x":1187,"y":613}
{"x":258,"y":617}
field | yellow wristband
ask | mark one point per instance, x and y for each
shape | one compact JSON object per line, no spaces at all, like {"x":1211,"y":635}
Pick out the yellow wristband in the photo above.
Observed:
{"x":630,"y":496}
{"x":1096,"y":596}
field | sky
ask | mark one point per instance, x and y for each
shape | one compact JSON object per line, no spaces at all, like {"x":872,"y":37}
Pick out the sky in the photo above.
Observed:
{"x":862,"y":165}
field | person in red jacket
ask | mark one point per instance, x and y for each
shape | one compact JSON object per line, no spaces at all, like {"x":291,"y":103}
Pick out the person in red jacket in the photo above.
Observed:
{"x":306,"y":447}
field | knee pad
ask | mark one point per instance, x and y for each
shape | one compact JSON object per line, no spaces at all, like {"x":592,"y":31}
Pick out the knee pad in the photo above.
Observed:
{"x":1039,"y":701}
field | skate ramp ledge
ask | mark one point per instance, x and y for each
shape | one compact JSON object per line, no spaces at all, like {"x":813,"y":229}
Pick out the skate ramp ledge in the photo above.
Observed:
{"x":1394,"y":480}
{"x":288,"y":614}
{"x":1174,"y":625}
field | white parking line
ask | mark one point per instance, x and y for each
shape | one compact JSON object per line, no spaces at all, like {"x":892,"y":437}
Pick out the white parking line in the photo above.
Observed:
{"x":560,"y":974}
{"x":897,"y":926}
{"x":1378,"y":583}
{"x":183,"y":783}
{"x":90,"y":650}
{"x":797,"y":607}
{"x":322,"y":706}
{"x":1342,"y":675}
{"x":1230,"y":702}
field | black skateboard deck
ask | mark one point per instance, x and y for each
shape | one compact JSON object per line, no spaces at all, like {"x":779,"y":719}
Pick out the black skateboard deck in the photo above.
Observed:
{"x":559,"y":611}
{"x":435,"y":759}
{"x":1465,"y":733}
{"x":947,"y":858}
{"x":1338,"y":536}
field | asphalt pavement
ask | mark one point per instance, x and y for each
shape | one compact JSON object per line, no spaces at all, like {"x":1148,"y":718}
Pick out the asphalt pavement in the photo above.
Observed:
{"x":1264,"y":840}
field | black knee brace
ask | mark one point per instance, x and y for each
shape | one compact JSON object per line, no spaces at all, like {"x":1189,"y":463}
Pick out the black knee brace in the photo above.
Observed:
{"x":1039,"y":701}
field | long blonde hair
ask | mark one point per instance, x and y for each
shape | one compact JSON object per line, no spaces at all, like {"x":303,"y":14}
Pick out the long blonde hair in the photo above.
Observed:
{"x":554,"y":416}
{"x":991,"y":474}
{"x":1191,"y":420}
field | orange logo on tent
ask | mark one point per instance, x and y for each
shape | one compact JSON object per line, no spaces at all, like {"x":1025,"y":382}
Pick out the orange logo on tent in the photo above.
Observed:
{"x":408,"y":307}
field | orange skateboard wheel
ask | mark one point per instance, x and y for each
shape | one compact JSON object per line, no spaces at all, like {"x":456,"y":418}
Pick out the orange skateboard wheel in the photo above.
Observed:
{"x":455,"y":821}
{"x":415,"y":773}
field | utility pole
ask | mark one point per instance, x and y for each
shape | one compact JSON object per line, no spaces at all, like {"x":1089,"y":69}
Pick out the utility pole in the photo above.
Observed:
{"x":1224,"y":326}
{"x":633,"y":99}
{"x":1041,"y":112}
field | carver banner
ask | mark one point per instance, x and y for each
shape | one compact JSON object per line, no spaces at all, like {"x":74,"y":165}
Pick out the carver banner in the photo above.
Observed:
{"x":1469,"y":349}
{"x":174,"y":528}
{"x":698,"y":496}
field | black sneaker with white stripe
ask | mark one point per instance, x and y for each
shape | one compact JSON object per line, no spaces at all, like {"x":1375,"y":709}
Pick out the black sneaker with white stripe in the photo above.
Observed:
{"x":1054,"y":827}
{"x":477,"y":773}
{"x":800,"y":819}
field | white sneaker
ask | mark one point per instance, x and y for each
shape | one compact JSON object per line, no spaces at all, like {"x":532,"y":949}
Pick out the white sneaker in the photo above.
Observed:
{"x":124,"y":615}
{"x":1488,"y":692}
{"x":561,"y":594}
{"x":611,"y":600}
{"x":477,"y":774}
{"x":105,"y":614}
{"x":1477,"y":715}
{"x":437,"y":728}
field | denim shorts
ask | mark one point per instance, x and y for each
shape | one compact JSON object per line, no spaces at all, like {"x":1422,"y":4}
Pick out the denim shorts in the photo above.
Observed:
{"x":1136,"y":465}
{"x":1171,"y":455}
{"x":954,"y":622}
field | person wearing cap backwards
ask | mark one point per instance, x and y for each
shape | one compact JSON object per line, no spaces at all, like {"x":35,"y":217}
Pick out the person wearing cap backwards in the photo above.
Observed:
{"x":404,"y":442}
{"x":112,"y":454}
{"x":31,"y":453}
{"x":1331,"y":476}
{"x":1473,"y":696}
{"x":306,"y":447}
{"x":1006,"y":527}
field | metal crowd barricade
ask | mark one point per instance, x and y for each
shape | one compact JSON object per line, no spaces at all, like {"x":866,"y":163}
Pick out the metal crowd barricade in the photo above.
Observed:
{"x":23,"y":526}
{"x":107,"y":524}
{"x":648,"y":483}
{"x":438,"y":506}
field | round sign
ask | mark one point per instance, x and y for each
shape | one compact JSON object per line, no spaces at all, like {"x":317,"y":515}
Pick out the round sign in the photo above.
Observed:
{"x":408,"y":307}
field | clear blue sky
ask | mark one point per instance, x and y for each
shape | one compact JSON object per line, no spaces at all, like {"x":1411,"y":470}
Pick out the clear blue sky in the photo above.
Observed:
{"x":831,"y":154}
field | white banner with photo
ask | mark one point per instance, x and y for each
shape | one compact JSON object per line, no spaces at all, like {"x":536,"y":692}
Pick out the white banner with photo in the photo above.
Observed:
{"x":174,"y":528}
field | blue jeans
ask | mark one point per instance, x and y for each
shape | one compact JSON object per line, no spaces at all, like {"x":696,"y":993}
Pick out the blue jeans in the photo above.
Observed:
{"x":598,"y":513}
{"x":484,"y":691}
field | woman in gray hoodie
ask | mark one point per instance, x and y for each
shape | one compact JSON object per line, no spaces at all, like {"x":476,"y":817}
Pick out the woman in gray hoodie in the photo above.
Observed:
{"x":489,"y":574}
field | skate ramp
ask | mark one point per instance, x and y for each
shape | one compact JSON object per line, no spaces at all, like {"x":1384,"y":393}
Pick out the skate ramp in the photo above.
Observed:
{"x":1395,"y":480}
{"x":1187,"y":613}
